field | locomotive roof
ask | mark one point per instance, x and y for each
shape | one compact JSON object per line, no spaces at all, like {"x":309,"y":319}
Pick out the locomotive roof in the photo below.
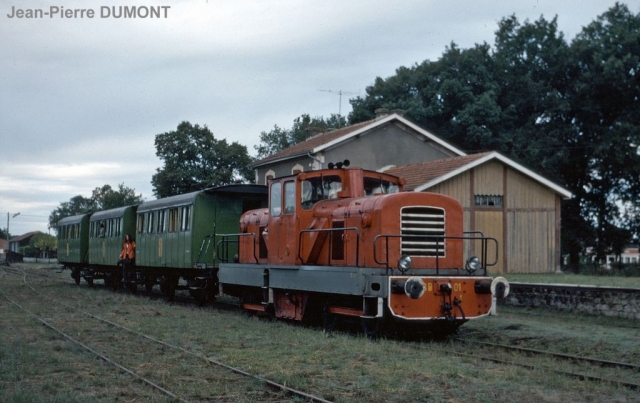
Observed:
{"x":113,"y":213}
{"x":189,"y":198}
{"x":329,"y":171}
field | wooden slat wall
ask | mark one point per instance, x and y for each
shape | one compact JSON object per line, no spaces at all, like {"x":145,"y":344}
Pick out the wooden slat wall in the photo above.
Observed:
{"x":457,"y":187}
{"x":491,"y":225}
{"x":525,"y":193}
{"x":488,"y":179}
{"x":531,"y":225}
{"x":531,"y":247}
{"x":526,"y":226}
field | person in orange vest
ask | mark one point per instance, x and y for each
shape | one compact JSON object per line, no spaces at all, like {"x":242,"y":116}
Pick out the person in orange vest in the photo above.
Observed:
{"x":127,"y":257}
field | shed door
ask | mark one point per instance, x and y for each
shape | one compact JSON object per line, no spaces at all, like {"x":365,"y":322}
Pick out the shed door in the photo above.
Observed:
{"x":491,"y":225}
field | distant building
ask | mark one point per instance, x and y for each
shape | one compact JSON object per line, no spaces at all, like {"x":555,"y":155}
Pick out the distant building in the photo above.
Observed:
{"x":23,"y":240}
{"x":630,"y":255}
{"x":17,"y":242}
{"x":3,"y":249}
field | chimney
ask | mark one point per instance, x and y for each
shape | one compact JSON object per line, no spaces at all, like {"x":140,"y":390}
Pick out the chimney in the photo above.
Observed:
{"x":313,"y":131}
{"x":381,"y":112}
{"x":399,"y":112}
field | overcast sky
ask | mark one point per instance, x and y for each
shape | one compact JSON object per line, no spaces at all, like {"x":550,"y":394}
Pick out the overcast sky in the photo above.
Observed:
{"x":81,"y":99}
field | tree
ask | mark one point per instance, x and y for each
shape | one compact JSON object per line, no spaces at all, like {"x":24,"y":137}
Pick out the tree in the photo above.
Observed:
{"x":194,"y":159}
{"x":568,"y":111}
{"x":43,"y":243}
{"x":102,"y":198}
{"x":278,"y":139}
{"x":105,"y":198}
{"x":604,"y":92}
{"x":76,"y":205}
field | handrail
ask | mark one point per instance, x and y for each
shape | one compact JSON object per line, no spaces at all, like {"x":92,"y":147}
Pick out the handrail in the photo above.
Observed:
{"x":438,"y":238}
{"x":225,"y":241}
{"x":330,"y":230}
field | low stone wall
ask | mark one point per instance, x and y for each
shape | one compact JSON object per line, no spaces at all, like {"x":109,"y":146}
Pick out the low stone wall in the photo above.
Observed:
{"x":606,"y":301}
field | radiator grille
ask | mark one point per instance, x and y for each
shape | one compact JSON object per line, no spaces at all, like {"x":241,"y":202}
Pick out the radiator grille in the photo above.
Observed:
{"x":421,"y":229}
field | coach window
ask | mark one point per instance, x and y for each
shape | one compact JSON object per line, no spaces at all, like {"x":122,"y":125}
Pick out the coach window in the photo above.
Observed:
{"x":161,"y":220}
{"x":275,"y":204}
{"x":140,"y":223}
{"x":173,"y":220}
{"x":289,"y":197}
{"x":150,"y":222}
{"x":186,"y":218}
{"x":118,"y":226}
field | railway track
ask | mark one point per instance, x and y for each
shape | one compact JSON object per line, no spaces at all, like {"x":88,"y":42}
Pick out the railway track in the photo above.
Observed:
{"x":571,"y":374}
{"x":64,"y":326}
{"x":559,"y":356}
{"x":477,"y":353}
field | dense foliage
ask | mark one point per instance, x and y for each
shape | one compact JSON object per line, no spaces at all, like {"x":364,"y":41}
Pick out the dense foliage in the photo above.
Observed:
{"x":102,"y":198}
{"x":194,"y":159}
{"x":40,"y":245}
{"x":303,"y":127}
{"x":570,"y":112}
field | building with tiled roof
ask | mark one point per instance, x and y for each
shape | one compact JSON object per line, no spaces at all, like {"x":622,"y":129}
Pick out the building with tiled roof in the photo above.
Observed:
{"x":503,"y":200}
{"x":361,"y":144}
{"x":23,"y":240}
{"x":500,"y":198}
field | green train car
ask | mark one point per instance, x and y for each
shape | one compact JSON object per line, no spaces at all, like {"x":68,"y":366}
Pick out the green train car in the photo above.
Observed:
{"x":176,"y":236}
{"x":73,"y":243}
{"x":107,"y":230}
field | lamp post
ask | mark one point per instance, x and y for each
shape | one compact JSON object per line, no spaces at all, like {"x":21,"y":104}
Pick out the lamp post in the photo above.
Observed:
{"x":6,"y":254}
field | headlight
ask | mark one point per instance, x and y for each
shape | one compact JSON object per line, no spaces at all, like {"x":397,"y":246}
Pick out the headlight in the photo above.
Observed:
{"x":404,"y":263}
{"x":473,"y":264}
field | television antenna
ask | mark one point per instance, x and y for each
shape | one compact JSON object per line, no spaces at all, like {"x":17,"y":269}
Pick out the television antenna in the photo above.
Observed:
{"x":340,"y":93}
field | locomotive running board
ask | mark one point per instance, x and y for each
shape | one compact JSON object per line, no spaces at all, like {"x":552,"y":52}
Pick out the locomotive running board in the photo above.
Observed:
{"x":254,"y":307}
{"x":345,"y":311}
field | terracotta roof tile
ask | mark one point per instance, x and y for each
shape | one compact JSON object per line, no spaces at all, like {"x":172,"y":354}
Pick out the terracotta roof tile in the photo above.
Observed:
{"x":422,"y":172}
{"x":25,"y":236}
{"x":311,"y":143}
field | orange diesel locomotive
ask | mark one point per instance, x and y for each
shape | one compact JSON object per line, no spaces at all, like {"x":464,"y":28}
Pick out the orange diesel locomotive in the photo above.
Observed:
{"x":347,"y":242}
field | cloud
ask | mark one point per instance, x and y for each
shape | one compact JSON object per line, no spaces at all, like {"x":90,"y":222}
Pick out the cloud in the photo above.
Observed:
{"x":82,"y":99}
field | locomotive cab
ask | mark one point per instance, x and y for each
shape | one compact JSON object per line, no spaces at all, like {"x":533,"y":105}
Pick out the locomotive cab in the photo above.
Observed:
{"x":302,"y":215}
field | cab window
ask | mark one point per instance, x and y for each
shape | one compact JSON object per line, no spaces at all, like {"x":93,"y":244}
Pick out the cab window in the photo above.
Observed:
{"x":374,"y":186}
{"x":275,"y":201}
{"x":289,"y":197}
{"x":321,"y":188}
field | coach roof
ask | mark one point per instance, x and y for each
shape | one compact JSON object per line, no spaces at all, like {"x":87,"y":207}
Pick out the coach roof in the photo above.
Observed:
{"x":190,"y":198}
{"x":113,"y":213}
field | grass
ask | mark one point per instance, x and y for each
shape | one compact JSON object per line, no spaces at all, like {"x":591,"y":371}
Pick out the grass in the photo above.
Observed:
{"x":341,"y":366}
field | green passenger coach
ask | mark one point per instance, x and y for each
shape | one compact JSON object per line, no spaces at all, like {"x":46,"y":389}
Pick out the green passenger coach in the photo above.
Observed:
{"x":73,"y":243}
{"x":107,"y":230}
{"x":176,"y":236}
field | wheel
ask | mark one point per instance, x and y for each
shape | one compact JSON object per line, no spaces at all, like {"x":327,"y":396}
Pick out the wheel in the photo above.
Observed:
{"x":169,"y":284}
{"x":329,"y":320}
{"x":75,"y":275}
{"x":149,"y":283}
{"x":370,"y":327}
{"x":112,"y":280}
{"x":89,"y":281}
{"x":132,"y":286}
